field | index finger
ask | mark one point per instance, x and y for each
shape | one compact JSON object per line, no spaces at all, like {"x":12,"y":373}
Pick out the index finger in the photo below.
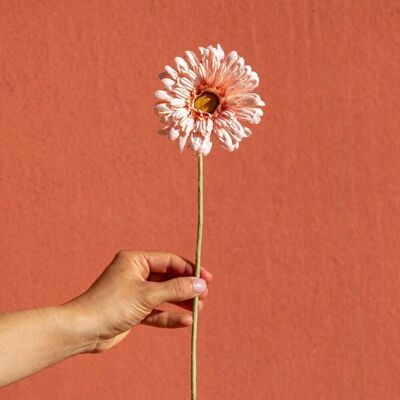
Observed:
{"x":163,"y":266}
{"x":167,"y":263}
{"x":159,"y":277}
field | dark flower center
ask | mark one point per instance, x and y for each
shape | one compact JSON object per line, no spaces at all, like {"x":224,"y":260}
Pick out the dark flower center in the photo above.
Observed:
{"x":207,"y":102}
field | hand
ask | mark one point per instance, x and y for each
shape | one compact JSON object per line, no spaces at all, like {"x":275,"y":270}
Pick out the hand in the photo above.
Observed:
{"x":129,"y":292}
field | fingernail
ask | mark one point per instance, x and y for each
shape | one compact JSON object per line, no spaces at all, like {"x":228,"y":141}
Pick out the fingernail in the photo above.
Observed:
{"x":199,"y":285}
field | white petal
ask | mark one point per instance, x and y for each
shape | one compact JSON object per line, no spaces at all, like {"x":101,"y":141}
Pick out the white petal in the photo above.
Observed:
{"x":246,"y":100}
{"x":231,"y":58}
{"x":182,"y":92}
{"x":168,"y":83}
{"x":252,"y":115}
{"x":162,"y":95}
{"x":162,"y":108}
{"x":171,"y":72}
{"x":240,"y":63}
{"x":209,"y":126}
{"x":221,"y":53}
{"x":236,"y":130}
{"x":179,"y":114}
{"x":248,"y":132}
{"x":192,"y":59}
{"x":181,"y":64}
{"x":182,"y":141}
{"x":191,"y":75}
{"x":195,"y":142}
{"x":214,"y":58}
{"x":228,"y":114}
{"x":202,"y":126}
{"x":177,"y":103}
{"x":226,"y":139}
{"x":187,"y":124}
{"x":206,"y":146}
{"x":252,"y":82}
{"x":174,"y":133}
{"x":201,"y":71}
{"x":186,"y":83}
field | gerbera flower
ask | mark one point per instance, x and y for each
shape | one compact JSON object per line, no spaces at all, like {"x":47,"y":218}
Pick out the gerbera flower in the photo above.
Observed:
{"x":208,"y":96}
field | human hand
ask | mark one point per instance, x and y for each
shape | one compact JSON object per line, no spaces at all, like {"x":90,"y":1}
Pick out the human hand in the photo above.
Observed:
{"x":129,"y":292}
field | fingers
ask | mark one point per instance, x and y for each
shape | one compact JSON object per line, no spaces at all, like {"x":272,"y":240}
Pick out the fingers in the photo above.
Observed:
{"x":174,"y":290}
{"x":163,"y":262}
{"x":188,"y":305}
{"x":165,"y":319}
{"x":158,"y":266}
{"x":160,"y":277}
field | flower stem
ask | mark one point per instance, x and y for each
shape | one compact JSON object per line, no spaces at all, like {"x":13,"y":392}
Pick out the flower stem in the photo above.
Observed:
{"x":197,"y":273}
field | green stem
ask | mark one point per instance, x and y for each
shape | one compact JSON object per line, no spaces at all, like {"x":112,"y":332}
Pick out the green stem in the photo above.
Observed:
{"x":197,"y":273}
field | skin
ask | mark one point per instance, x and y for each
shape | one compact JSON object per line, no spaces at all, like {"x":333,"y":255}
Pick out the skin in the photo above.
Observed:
{"x":128,"y":292}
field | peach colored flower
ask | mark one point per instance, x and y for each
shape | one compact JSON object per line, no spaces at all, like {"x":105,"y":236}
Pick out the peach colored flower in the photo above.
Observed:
{"x":208,"y":96}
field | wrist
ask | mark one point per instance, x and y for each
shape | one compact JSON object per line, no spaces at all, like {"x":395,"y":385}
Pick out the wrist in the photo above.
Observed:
{"x":78,"y":334}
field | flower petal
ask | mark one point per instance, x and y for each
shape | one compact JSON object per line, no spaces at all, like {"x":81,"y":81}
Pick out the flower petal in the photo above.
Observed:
{"x":192,"y":59}
{"x":181,"y":91}
{"x":225,"y":139}
{"x":206,"y":146}
{"x":181,"y":64}
{"x":168,"y":83}
{"x":177,"y":103}
{"x":252,"y":115}
{"x":171,"y":72}
{"x":174,"y":133}
{"x":195,"y":142}
{"x":162,"y":95}
{"x":182,"y":141}
{"x":246,"y":100}
{"x":180,"y":113}
{"x":188,"y":85}
{"x":162,"y":108}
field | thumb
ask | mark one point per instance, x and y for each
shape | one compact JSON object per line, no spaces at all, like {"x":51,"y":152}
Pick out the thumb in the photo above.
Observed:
{"x":178,"y":289}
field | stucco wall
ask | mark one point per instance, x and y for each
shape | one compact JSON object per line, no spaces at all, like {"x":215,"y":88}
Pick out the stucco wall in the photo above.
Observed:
{"x":301,"y":224}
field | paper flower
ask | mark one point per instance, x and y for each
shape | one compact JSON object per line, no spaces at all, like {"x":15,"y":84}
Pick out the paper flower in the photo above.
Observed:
{"x":208,"y":96}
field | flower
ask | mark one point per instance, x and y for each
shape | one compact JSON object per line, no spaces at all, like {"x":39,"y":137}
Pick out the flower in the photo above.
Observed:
{"x":208,"y":96}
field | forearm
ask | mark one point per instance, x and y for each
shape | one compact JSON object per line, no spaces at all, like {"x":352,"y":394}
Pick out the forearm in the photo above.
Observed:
{"x":33,"y":339}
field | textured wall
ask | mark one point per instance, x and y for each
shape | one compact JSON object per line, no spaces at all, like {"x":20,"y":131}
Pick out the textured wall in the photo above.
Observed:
{"x":301,"y":224}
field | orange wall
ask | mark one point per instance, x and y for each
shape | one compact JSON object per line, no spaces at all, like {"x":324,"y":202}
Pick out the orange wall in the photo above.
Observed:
{"x":301,"y":224}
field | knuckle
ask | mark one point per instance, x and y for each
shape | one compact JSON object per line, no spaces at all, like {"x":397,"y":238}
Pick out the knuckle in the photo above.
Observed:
{"x":125,"y":254}
{"x":147,"y":295}
{"x":178,"y":288}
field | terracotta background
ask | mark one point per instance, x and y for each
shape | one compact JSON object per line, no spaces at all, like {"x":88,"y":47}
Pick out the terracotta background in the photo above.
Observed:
{"x":301,"y":224}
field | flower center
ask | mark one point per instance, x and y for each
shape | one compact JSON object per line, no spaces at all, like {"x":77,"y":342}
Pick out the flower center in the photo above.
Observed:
{"x":207,"y":102}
